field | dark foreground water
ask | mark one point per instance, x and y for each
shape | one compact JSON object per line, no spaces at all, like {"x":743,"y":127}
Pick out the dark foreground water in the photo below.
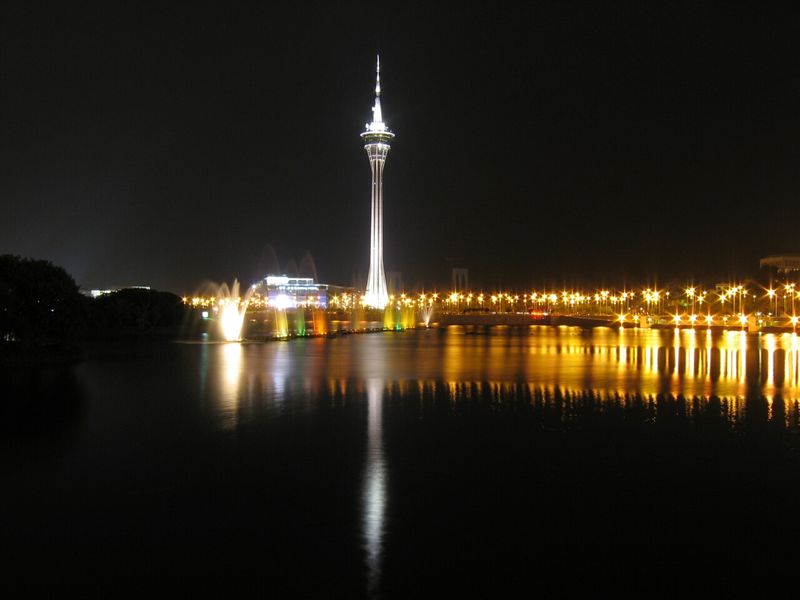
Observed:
{"x":406,"y":465}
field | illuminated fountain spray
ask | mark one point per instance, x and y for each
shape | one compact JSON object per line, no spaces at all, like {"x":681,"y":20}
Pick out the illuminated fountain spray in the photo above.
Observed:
{"x":426,"y":312}
{"x":319,"y":321}
{"x":231,"y":309}
{"x":399,"y":315}
{"x":299,"y":318}
{"x":281,"y":324}
{"x":357,"y":316}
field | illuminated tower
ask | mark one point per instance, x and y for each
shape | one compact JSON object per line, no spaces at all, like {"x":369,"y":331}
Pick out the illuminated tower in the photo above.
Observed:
{"x":377,"y":138}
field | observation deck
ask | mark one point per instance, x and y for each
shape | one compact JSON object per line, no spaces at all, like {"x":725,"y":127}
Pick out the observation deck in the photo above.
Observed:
{"x":377,"y":137}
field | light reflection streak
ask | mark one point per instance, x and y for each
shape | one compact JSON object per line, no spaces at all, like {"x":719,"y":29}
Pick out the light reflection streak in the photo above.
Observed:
{"x":375,"y":492}
{"x":280,"y":368}
{"x":742,"y":356}
{"x":203,"y":373}
{"x":676,"y":352}
{"x":230,"y":380}
{"x":568,"y":405}
{"x":691,"y":346}
{"x":769,"y":383}
{"x":644,"y":361}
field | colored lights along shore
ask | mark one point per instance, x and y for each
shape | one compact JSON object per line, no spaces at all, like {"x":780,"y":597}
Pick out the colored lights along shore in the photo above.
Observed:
{"x":377,"y":137}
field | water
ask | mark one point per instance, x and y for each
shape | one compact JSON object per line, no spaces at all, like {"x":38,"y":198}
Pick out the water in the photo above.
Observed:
{"x":423,"y":463}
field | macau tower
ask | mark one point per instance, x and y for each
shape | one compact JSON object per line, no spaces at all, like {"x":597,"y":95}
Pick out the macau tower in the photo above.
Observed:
{"x":376,"y":142}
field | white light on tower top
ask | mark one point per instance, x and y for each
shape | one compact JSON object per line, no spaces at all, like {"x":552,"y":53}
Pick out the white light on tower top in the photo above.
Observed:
{"x":377,"y":115}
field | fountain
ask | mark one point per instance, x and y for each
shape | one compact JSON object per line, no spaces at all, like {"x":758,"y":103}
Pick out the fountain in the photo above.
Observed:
{"x":399,"y":316}
{"x":357,"y":316}
{"x":299,"y":321}
{"x":281,"y":326}
{"x":231,"y":308}
{"x":426,"y":312}
{"x":319,"y":321}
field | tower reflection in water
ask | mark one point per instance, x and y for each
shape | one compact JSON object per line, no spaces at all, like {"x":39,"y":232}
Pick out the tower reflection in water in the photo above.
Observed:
{"x":374,"y":493}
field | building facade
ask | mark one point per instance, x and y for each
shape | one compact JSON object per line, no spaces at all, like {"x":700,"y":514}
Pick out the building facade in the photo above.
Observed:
{"x":290,"y":292}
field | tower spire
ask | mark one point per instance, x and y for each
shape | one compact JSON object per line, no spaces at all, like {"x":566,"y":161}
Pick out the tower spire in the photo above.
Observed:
{"x":377,"y":115}
{"x":378,"y":76}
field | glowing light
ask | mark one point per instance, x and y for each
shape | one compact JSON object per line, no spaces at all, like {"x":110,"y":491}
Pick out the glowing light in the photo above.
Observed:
{"x":230,"y":310}
{"x":282,"y":302}
{"x":277,"y":280}
{"x":231,"y":321}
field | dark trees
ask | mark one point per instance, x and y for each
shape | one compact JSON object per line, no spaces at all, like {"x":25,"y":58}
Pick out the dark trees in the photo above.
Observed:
{"x":39,"y":302}
{"x":138,"y":311}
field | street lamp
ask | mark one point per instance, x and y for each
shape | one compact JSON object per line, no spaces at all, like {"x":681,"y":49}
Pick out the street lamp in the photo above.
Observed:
{"x":690,"y":292}
{"x":773,"y":298}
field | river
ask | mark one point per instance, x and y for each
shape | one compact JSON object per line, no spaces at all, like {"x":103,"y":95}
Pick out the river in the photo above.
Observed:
{"x":396,"y":465}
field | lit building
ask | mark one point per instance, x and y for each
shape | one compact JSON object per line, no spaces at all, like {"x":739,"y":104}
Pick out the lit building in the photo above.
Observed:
{"x":786,"y":263}
{"x":377,"y":137}
{"x":104,"y":292}
{"x":289,"y":292}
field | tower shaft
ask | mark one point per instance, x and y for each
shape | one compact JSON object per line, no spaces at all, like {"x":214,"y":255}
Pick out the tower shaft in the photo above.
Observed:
{"x":376,"y":294}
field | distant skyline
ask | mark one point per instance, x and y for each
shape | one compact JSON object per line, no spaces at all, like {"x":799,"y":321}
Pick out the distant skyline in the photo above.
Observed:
{"x":167,"y":145}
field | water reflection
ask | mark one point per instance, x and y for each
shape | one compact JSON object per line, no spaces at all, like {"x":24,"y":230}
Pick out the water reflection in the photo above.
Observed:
{"x":730,"y":366}
{"x":649,"y":361}
{"x":203,"y":372}
{"x":374,"y":494}
{"x":510,"y":433}
{"x":229,"y":383}
{"x":44,"y":401}
{"x":556,"y":378}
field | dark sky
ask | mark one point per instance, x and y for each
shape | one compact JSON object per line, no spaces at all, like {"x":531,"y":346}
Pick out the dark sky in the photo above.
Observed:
{"x":167,"y":145}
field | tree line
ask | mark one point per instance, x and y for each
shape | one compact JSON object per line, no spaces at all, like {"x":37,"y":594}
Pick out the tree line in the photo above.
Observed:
{"x":41,"y":305}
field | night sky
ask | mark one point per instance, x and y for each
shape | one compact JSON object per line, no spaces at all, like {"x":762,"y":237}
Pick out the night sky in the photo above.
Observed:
{"x":558,"y":143}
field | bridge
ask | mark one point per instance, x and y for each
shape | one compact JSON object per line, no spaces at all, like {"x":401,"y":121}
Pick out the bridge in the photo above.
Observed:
{"x":522,"y":319}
